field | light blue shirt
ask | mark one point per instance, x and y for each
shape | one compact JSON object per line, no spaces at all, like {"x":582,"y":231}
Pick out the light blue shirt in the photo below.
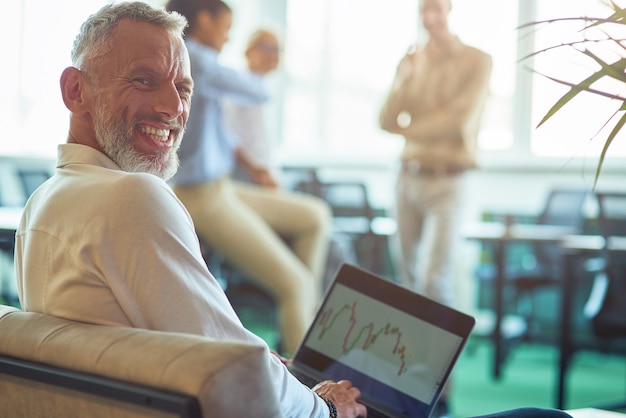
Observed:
{"x":208,"y":148}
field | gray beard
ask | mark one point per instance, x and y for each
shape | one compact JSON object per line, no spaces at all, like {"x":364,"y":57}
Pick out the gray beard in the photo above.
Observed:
{"x":114,"y":137}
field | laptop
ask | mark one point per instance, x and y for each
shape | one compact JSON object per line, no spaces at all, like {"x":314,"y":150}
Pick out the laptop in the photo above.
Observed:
{"x":398,"y":347}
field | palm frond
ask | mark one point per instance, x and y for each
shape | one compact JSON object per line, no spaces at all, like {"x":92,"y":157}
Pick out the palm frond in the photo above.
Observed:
{"x":607,"y":143}
{"x":584,"y":85}
{"x":589,"y":47}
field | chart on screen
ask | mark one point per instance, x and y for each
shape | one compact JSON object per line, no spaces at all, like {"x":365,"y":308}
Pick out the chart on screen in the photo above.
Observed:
{"x":379,"y":340}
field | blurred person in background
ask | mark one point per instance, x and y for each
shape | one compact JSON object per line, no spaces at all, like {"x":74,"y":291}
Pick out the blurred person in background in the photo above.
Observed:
{"x":249,"y":120}
{"x":245,"y":223}
{"x":435,"y":103}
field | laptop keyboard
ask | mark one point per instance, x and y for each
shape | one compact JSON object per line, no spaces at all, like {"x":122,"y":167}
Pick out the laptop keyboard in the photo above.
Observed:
{"x":304,"y":379}
{"x":373,"y":413}
{"x":310,"y":382}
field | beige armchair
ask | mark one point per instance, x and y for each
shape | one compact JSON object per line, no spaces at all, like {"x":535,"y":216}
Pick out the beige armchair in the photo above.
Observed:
{"x":59,"y":368}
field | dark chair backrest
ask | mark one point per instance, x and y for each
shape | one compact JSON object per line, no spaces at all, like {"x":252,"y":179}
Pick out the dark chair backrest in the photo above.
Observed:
{"x":20,"y":176}
{"x":31,"y":179}
{"x":563,"y":207}
{"x":302,"y":179}
{"x":610,"y":321}
{"x":612,"y":213}
{"x":347,"y":198}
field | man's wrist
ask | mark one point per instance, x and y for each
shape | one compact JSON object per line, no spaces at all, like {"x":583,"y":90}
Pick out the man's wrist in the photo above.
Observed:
{"x":331,"y":406}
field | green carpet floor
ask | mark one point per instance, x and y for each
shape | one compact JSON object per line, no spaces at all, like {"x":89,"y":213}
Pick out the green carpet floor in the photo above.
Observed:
{"x":529,"y":379}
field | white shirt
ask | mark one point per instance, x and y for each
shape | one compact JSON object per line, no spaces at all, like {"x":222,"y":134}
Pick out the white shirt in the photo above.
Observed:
{"x":249,"y":124}
{"x":99,"y":245}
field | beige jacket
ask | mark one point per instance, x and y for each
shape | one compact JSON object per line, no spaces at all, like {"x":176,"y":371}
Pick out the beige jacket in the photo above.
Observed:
{"x":436,"y":102}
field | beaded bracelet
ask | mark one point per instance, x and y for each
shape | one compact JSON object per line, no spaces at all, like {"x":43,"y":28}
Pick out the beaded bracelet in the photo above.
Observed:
{"x":331,"y":406}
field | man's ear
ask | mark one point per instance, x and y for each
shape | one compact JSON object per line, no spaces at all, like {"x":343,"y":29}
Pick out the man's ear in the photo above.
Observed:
{"x":73,"y":90}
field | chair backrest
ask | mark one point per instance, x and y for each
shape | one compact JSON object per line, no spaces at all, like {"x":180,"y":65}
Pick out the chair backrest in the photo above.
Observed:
{"x":563,"y":207}
{"x":31,"y":179}
{"x":348,"y":200}
{"x":50,"y":365}
{"x":610,"y":321}
{"x":612,"y":213}
{"x":301,"y":179}
{"x":19,"y":177}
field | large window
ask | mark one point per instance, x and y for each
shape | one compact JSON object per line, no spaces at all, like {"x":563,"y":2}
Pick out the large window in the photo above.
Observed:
{"x":341,"y":56}
{"x":339,"y":60}
{"x":37,"y":38}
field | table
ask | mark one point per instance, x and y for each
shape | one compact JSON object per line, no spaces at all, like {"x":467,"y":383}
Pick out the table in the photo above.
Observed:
{"x":574,"y":246}
{"x":594,"y":413}
{"x":501,"y":234}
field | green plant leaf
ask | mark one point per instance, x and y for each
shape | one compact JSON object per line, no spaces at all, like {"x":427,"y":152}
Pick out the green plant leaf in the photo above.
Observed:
{"x":607,"y":143}
{"x":584,"y":85}
{"x":614,"y":70}
{"x":588,"y":46}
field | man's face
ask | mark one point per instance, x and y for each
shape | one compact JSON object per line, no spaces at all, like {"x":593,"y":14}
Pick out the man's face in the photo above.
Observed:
{"x":141,"y":97}
{"x":434,"y":15}
{"x":214,"y":30}
{"x":264,"y":54}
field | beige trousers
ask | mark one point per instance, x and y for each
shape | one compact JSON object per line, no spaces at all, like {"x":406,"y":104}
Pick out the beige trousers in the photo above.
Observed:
{"x":248,"y":225}
{"x":429,"y":211}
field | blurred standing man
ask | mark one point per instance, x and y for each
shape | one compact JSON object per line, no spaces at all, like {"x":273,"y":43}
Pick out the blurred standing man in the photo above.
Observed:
{"x":436,"y":103}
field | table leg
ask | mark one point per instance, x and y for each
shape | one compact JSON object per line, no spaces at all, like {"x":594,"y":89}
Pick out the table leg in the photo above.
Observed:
{"x":498,"y":308}
{"x":565,"y":349}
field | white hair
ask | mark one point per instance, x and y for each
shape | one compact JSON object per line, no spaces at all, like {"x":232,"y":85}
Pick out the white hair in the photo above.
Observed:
{"x":92,"y":39}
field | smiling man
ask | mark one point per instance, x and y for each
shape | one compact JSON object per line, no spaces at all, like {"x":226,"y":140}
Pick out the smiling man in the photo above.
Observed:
{"x":105,"y":240}
{"x":147,"y":82}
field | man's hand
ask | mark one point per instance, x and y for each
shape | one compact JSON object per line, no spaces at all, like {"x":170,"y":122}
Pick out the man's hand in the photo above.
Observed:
{"x":263,"y":177}
{"x":282,"y":359}
{"x":407,"y":64}
{"x":344,"y":396}
{"x":259,"y":175}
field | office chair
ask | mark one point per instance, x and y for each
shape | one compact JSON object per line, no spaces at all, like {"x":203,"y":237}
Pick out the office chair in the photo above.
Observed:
{"x":605,"y":308}
{"x":609,"y":320}
{"x":564,"y":207}
{"x":31,"y":179}
{"x":355,"y":217}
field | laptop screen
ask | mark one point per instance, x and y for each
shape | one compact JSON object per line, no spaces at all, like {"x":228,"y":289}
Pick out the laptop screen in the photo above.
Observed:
{"x":396,"y":346}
